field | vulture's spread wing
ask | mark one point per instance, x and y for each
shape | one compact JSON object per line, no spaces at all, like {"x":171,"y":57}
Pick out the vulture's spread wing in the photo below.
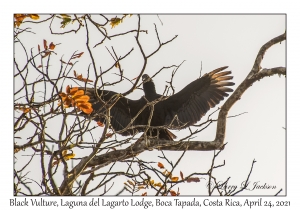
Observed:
{"x":187,"y":107}
{"x":122,"y":112}
{"x":178,"y":111}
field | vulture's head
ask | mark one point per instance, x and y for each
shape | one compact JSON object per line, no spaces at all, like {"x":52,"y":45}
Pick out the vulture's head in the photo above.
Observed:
{"x":146,"y":78}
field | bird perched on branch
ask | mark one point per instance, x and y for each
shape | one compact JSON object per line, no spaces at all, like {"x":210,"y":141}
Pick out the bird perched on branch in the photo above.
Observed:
{"x":155,"y":113}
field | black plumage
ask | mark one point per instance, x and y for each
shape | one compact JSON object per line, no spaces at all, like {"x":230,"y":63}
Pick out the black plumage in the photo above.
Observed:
{"x":178,"y":111}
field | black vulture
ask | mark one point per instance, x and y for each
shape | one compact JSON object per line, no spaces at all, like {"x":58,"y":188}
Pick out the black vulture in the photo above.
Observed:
{"x":177,"y":111}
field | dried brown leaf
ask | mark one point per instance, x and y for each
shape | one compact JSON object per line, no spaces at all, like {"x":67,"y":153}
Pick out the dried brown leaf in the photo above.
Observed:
{"x":193,"y":179}
{"x":78,"y":55}
{"x":130,"y":182}
{"x":34,"y":16}
{"x":99,"y":123}
{"x":160,"y":165}
{"x":181,"y":175}
{"x":45,"y":45}
{"x":108,"y":135}
{"x":173,"y":193}
{"x":51,"y":46}
{"x":174,"y":179}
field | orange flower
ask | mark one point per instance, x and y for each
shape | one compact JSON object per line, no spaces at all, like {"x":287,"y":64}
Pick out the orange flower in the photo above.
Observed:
{"x":76,"y":98}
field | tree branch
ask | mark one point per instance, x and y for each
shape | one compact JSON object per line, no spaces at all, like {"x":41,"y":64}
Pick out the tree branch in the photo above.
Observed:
{"x":140,"y":146}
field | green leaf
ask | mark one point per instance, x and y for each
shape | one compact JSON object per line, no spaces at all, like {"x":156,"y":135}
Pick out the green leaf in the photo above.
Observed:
{"x":65,"y":22}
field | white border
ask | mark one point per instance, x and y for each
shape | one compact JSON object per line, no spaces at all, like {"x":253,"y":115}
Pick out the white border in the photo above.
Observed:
{"x":129,"y":6}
